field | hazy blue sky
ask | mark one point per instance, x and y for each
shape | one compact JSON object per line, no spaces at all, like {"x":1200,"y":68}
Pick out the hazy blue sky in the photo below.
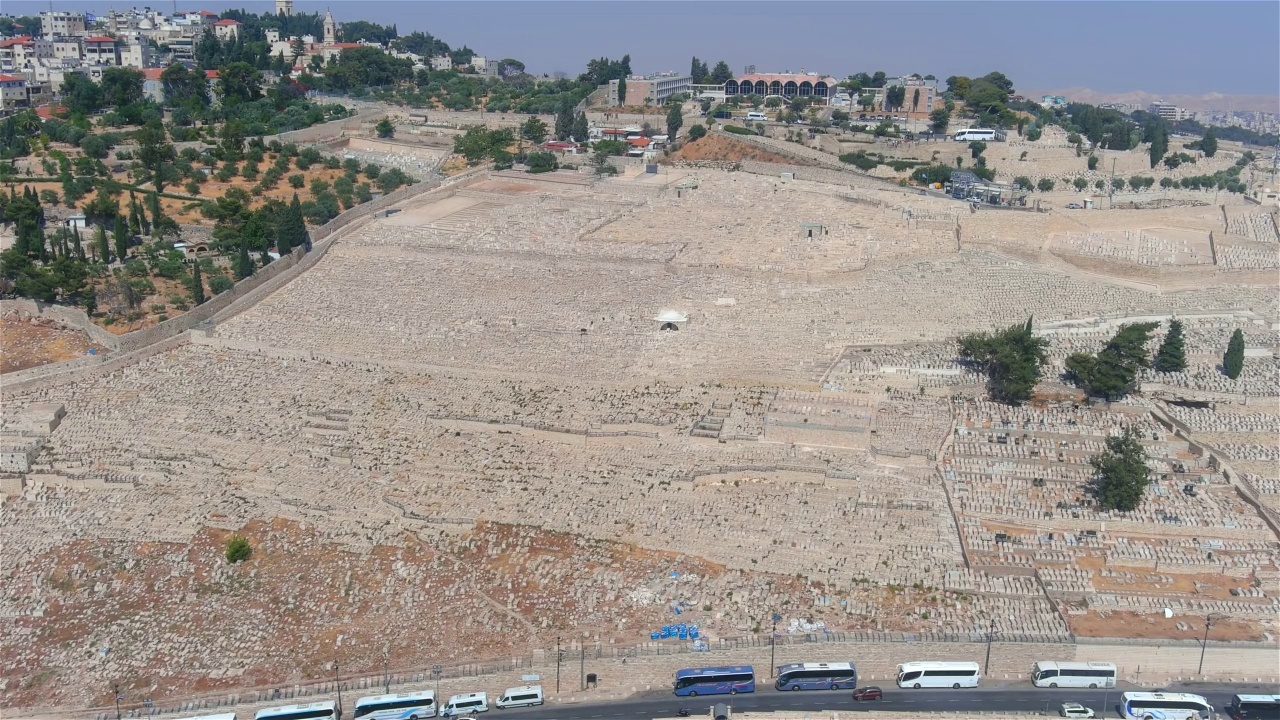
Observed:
{"x":1159,"y":47}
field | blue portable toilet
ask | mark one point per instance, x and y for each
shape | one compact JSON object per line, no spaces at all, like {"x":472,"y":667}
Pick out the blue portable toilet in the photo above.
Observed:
{"x":693,"y":633}
{"x":684,"y":634}
{"x":666,"y":631}
{"x":653,"y":636}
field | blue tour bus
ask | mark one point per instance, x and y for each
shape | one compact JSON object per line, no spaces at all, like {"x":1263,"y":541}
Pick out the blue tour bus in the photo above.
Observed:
{"x":817,"y":676}
{"x":715,"y":681}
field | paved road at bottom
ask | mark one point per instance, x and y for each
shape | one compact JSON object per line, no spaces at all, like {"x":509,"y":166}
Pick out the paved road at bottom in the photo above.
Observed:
{"x":1008,"y":698}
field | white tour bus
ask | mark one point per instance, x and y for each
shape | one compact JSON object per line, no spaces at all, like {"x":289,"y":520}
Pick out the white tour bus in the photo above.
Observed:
{"x":938,"y":674}
{"x":219,"y":716}
{"x":326,"y":710}
{"x":515,"y":697}
{"x":466,"y":704}
{"x":975,"y":134}
{"x":1047,"y":673}
{"x":756,"y":117}
{"x":1164,"y":706}
{"x":405,"y":706}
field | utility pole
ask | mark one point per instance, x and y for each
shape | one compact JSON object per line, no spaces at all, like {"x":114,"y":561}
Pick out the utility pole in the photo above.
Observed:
{"x":991,"y":631}
{"x":557,"y":665}
{"x":1208,"y":620}
{"x":582,"y":668}
{"x":115,"y":689}
{"x":338,"y":681}
{"x":386,"y":676}
{"x":437,"y":671}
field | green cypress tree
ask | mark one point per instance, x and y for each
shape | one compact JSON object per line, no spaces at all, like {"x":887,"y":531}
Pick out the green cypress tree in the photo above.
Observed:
{"x":244,"y":264}
{"x":1233,"y":361}
{"x":1121,"y":472}
{"x":197,"y":284}
{"x":121,"y":236}
{"x":1172,"y":355}
{"x":104,"y":248}
{"x":77,"y":246}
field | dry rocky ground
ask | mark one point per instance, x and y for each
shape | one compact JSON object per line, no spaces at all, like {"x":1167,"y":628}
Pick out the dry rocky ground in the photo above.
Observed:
{"x":463,"y":434}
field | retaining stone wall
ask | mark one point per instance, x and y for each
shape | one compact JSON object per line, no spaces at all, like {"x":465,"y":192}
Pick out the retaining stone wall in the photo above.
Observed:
{"x":167,"y":335}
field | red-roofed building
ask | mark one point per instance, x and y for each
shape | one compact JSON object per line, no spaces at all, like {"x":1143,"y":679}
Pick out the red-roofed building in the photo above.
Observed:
{"x":101,"y":51}
{"x":13,"y":94}
{"x":227,"y":29}
{"x":46,"y":112}
{"x":20,"y":53}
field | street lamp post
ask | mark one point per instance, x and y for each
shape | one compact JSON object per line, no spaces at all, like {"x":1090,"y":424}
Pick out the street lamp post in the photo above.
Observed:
{"x":991,"y":631}
{"x":437,"y":671}
{"x":1208,"y":620}
{"x":338,"y":682}
{"x":115,"y":692}
{"x":773,"y":642}
{"x":557,"y":664}
{"x":386,"y":674}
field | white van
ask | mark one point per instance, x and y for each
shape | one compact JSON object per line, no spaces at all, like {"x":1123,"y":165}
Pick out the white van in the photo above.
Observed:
{"x":465,"y":704}
{"x":515,"y":697}
{"x":756,"y":117}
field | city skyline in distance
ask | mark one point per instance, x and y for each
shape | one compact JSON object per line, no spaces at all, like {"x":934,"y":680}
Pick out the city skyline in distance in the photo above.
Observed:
{"x":1193,"y":49}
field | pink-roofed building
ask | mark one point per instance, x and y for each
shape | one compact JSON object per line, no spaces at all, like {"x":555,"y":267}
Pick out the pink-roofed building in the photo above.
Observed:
{"x":227,"y":29}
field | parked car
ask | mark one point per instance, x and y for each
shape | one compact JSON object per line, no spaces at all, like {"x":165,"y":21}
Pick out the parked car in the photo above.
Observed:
{"x":1075,"y":710}
{"x":1074,"y":206}
{"x":868,"y":693}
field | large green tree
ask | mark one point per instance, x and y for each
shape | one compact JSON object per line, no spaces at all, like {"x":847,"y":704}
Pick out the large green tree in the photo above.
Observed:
{"x":1121,"y":472}
{"x":155,"y":152}
{"x":184,"y":88}
{"x":1233,"y":360}
{"x":1172,"y":355}
{"x":1113,"y":372}
{"x":720,"y":74}
{"x":1011,"y":358}
{"x":675,"y":119}
{"x":1209,"y":143}
{"x":534,"y":130}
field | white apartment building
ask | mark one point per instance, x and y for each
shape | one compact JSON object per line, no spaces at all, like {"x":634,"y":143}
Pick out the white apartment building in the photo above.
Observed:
{"x":1168,"y":111}
{"x":135,"y":55}
{"x":61,"y":24}
{"x":484,"y":66}
{"x":68,"y":49}
{"x":101,"y":50}
{"x":23,"y":53}
{"x":13,"y":94}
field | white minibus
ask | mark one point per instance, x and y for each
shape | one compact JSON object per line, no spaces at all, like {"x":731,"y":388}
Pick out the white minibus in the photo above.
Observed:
{"x":1051,"y":674}
{"x":756,"y":117}
{"x":938,"y":674}
{"x":325,"y":710}
{"x":520,"y":697}
{"x":404,"y":706}
{"x":466,"y":704}
{"x":1164,"y":706}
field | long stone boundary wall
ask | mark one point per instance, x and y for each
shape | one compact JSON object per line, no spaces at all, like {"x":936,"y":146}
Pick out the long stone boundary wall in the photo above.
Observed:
{"x":137,"y":346}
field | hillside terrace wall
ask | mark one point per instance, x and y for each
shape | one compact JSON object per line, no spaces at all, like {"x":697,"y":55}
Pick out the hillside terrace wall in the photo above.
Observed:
{"x":142,"y":344}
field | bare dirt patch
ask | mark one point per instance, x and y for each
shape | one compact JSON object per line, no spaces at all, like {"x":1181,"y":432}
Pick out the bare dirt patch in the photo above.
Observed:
{"x":723,"y":149}
{"x":27,"y":343}
{"x":1134,"y":625}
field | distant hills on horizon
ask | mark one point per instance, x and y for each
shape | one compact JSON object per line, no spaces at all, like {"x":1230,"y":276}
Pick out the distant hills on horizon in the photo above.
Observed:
{"x":1209,"y":101}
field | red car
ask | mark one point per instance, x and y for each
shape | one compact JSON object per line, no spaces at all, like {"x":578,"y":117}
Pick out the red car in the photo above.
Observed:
{"x":868,"y":693}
